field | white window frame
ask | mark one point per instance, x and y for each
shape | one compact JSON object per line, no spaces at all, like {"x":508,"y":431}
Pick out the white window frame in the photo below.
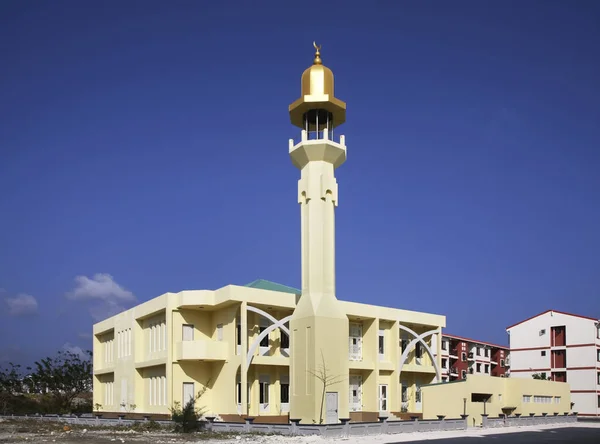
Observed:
{"x":187,"y":332}
{"x":355,"y":341}
{"x":381,"y":344}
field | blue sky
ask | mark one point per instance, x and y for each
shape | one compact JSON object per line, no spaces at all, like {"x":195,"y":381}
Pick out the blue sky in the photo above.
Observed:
{"x":143,"y":149}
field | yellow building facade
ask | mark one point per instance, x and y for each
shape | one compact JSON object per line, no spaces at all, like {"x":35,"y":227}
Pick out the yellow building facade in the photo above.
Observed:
{"x":234,"y":341}
{"x":478,"y":395}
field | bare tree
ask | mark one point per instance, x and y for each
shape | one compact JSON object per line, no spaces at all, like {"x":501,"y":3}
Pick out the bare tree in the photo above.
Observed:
{"x":327,"y":380}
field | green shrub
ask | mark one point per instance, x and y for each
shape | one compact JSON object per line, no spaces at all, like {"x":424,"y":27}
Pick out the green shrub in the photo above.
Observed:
{"x":186,"y":417}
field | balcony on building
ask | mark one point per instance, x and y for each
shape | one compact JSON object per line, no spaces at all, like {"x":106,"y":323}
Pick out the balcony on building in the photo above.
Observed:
{"x":201,"y":350}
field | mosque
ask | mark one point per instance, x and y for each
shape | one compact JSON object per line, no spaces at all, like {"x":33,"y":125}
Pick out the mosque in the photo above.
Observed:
{"x":267,"y":350}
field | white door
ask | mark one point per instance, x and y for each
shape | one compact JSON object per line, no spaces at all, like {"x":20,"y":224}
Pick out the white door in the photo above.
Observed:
{"x":263,"y":384}
{"x":355,"y":393}
{"x":405,"y":398}
{"x":331,"y":408}
{"x":188,"y":392}
{"x":187,"y":332}
{"x":418,"y":403}
{"x":383,"y":397}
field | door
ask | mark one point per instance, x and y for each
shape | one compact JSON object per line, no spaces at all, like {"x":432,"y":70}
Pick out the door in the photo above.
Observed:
{"x":418,"y":403}
{"x":188,"y":393}
{"x":405,"y":401}
{"x":355,"y":393}
{"x":263,"y":385}
{"x":383,"y":397}
{"x":284,"y":393}
{"x":331,"y":408}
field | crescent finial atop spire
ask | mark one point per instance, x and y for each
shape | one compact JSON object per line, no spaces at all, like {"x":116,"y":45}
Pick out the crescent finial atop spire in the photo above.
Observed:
{"x":317,"y":60}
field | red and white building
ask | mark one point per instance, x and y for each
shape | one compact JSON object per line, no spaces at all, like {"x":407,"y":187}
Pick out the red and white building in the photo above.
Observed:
{"x":563,"y":347}
{"x":462,"y":356}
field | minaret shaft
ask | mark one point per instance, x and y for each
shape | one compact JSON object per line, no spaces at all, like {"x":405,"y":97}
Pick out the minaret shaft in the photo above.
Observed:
{"x":317,"y":189}
{"x":319,"y":325}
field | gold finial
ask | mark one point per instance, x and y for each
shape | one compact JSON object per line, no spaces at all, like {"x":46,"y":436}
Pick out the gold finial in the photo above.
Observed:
{"x":317,"y":60}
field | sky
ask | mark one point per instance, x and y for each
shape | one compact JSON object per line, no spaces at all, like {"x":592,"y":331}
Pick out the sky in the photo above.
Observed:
{"x":144,"y":149}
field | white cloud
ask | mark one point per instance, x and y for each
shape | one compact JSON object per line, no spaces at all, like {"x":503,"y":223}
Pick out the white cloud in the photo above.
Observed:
{"x":22,"y":305}
{"x":103,"y":292}
{"x":76,"y":350}
{"x":101,"y":287}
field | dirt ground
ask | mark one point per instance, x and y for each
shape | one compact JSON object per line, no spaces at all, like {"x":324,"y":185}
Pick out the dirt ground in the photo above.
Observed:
{"x":33,"y":431}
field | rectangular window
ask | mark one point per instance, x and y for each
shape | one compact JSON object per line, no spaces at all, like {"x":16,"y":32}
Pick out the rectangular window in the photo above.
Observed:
{"x":264,"y":342}
{"x":381,"y":344}
{"x":502,"y":363}
{"x":487,"y":352}
{"x":238,"y":392}
{"x":463,"y":374}
{"x":487,"y":368}
{"x":444,"y":345}
{"x":598,"y":377}
{"x":403,"y":344}
{"x":478,"y":368}
{"x":285,"y":393}
{"x":285,"y":340}
{"x":478,"y":351}
{"x":543,"y":352}
{"x":444,"y":363}
{"x":187,"y":332}
{"x":557,"y":400}
{"x":238,"y":332}
{"x":418,"y":350}
{"x":219,"y":332}
{"x":598,"y":332}
{"x":463,"y":357}
{"x":598,"y":353}
{"x":526,"y":398}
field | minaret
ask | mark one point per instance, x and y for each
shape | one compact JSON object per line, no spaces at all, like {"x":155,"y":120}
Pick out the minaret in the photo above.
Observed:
{"x":319,"y":326}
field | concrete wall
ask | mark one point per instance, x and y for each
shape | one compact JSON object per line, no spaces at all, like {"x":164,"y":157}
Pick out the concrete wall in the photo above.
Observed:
{"x":449,"y":398}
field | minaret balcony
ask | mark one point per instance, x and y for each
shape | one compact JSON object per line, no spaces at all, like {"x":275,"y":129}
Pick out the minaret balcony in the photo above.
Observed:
{"x":318,"y":149}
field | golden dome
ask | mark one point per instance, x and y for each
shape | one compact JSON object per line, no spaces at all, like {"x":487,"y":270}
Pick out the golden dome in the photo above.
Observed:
{"x":317,"y":94}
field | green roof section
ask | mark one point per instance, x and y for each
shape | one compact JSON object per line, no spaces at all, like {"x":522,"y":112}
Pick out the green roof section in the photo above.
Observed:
{"x":263,"y":284}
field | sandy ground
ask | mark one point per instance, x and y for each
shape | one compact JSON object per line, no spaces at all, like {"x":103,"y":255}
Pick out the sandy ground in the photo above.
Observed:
{"x":36,"y":432}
